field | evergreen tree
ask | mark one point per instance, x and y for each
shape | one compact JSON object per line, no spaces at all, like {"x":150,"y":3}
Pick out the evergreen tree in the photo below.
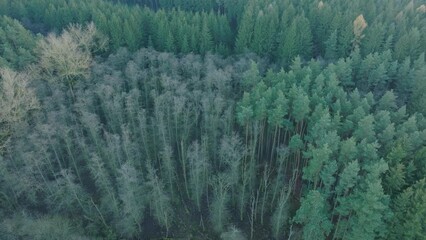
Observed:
{"x":331,"y":46}
{"x":115,"y":32}
{"x":129,"y":36}
{"x":206,"y":39}
{"x":246,"y":29}
{"x":312,"y":214}
{"x":418,"y":98}
{"x":370,"y":207}
{"x":330,"y":110}
{"x":407,"y":223}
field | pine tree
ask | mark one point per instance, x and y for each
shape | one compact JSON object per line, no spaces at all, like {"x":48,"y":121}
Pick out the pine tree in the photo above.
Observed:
{"x":418,"y":96}
{"x":410,"y":213}
{"x":206,"y":43}
{"x":265,"y":30}
{"x":318,"y":157}
{"x":252,"y":77}
{"x":331,"y":46}
{"x":287,"y":42}
{"x":246,"y":29}
{"x":370,"y":207}
{"x":374,"y":38}
{"x":408,"y":45}
{"x":129,"y":36}
{"x":304,"y":37}
{"x":17,"y":44}
{"x":115,"y":32}
{"x":300,"y":104}
{"x":387,"y":102}
{"x":312,"y":214}
{"x":365,"y":129}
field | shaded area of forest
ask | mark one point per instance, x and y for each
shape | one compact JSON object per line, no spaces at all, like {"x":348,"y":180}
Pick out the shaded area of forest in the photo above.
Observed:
{"x":289,"y":120}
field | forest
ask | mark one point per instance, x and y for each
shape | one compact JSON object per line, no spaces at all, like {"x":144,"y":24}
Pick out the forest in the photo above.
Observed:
{"x":213,"y":119}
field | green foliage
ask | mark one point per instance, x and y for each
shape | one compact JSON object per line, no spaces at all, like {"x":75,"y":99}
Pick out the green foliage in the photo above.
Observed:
{"x":312,"y":214}
{"x":348,"y":178}
{"x":331,"y":46}
{"x":206,"y":43}
{"x":277,"y":30}
{"x":365,"y":129}
{"x":246,"y":27}
{"x":313,"y":128}
{"x":17,"y":44}
{"x":370,"y":207}
{"x":410,"y":213}
{"x":387,"y":102}
{"x":318,"y":157}
{"x":300,"y":104}
{"x":418,"y":96}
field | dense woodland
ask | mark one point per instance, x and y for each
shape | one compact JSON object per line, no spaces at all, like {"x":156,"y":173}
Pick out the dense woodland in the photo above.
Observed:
{"x":212,"y":119}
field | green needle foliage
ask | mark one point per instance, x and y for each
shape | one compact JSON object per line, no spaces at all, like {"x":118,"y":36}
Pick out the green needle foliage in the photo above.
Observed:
{"x":204,"y":119}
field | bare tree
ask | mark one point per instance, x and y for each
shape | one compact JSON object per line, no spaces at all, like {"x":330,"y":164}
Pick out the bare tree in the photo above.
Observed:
{"x":68,"y":57}
{"x":17,"y":99}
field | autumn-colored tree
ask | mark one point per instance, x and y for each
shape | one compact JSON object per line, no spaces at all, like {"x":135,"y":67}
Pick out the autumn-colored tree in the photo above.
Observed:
{"x":68,"y":57}
{"x":18,"y":99}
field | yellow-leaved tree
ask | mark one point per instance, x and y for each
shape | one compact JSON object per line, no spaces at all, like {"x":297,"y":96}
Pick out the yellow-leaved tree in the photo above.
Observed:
{"x":17,"y":99}
{"x":359,"y":26}
{"x":68,"y":57}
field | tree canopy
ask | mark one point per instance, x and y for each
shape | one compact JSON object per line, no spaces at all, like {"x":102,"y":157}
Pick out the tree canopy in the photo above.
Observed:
{"x":243,"y":119}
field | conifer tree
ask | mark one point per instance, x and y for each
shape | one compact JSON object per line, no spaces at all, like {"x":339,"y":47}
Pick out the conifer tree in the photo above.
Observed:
{"x":331,"y":46}
{"x":115,"y":32}
{"x":206,"y":39}
{"x":246,"y":29}
{"x":312,"y":214}
{"x":129,"y":36}
{"x":407,"y":223}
